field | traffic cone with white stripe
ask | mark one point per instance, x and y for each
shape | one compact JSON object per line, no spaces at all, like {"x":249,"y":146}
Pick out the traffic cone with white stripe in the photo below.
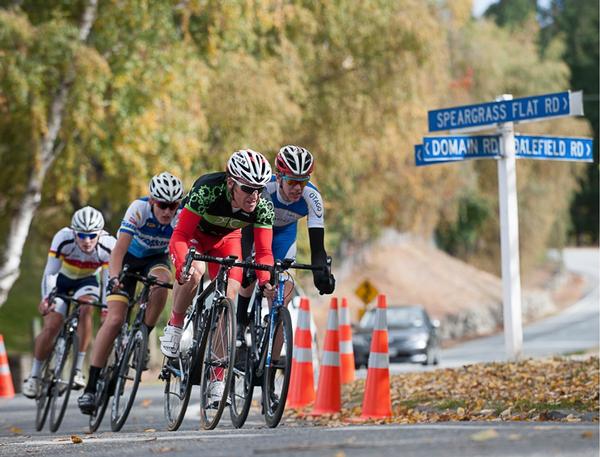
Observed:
{"x":7,"y":389}
{"x":302,"y":386}
{"x":377,"y":401}
{"x":346,"y":351}
{"x":329,"y":392}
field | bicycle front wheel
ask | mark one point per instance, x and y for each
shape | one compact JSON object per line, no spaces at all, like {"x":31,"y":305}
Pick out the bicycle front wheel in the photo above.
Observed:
{"x":276,"y":378}
{"x":64,"y":372}
{"x":128,"y":379}
{"x":217,"y":363}
{"x":103,"y":391}
{"x":42,"y":400}
{"x":242,"y":383}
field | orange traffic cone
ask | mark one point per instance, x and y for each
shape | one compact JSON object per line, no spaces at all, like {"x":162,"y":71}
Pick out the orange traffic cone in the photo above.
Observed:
{"x":7,"y":390}
{"x":329,"y":392}
{"x":302,"y":385}
{"x":346,"y":351}
{"x":377,"y":401}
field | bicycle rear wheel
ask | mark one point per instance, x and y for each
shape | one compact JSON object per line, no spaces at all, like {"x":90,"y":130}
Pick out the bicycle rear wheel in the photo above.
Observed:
{"x":217,"y":360}
{"x":64,"y":372}
{"x":103,"y":391}
{"x":128,"y":379}
{"x":43,"y":398}
{"x":242,"y":383}
{"x":277,"y":376}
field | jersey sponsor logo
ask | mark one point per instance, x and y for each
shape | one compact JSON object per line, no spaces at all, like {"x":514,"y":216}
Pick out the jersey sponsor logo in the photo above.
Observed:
{"x":316,"y":202}
{"x":150,"y":224}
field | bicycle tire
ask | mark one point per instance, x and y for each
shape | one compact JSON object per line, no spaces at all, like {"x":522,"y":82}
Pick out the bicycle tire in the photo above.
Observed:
{"x":133,"y":359}
{"x":42,"y":400}
{"x":223,"y":311}
{"x":64,"y":372}
{"x":278,"y":374}
{"x":105,"y":379}
{"x":242,"y":382}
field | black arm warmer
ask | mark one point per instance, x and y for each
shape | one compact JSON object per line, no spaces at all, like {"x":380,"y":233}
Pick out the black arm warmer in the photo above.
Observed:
{"x":318,"y":256}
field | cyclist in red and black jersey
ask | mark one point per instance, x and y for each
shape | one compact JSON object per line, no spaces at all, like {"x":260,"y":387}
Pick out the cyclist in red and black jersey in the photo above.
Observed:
{"x":217,"y":207}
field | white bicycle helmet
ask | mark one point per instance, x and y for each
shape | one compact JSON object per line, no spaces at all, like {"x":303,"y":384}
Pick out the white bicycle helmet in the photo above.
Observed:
{"x":166,"y":188}
{"x":294,"y":161}
{"x":87,"y":220}
{"x":250,"y":167}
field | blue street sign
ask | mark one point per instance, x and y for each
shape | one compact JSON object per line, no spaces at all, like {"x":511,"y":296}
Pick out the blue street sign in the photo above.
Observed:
{"x":442,"y":149}
{"x":459,"y":147}
{"x":552,"y":148}
{"x":517,"y":110}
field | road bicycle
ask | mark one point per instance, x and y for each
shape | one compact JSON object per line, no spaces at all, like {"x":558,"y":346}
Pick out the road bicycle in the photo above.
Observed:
{"x":120,"y":376}
{"x":207,"y":348}
{"x":266,"y":360}
{"x":58,"y":370}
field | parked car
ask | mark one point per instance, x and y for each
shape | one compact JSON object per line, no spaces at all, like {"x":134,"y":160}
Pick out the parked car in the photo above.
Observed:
{"x":412,"y":336}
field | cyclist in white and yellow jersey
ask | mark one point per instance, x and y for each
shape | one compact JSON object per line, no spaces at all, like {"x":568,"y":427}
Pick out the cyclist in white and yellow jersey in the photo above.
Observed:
{"x":76,"y":254}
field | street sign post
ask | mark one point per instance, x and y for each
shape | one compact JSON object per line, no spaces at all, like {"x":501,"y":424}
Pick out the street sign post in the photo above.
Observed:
{"x":506,"y":147}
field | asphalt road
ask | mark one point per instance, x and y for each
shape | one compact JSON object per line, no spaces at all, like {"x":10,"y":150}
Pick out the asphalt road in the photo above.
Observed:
{"x":144,"y":433}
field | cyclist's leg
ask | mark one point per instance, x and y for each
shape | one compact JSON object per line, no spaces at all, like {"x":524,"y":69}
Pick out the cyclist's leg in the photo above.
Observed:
{"x":88,"y":291}
{"x":159,"y":267}
{"x":117,"y":312}
{"x":284,"y":247}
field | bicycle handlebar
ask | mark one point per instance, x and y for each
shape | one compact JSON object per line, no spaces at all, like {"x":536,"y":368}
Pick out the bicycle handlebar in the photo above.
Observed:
{"x":149,"y":280}
{"x":70,"y":298}
{"x":231,"y":262}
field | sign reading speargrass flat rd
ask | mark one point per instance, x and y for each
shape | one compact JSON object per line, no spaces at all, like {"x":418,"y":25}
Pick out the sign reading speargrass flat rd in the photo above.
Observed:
{"x":517,"y":110}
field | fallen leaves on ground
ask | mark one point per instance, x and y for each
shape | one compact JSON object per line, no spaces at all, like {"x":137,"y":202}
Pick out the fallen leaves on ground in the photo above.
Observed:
{"x":16,"y":430}
{"x":76,"y":439}
{"x":559,"y":389}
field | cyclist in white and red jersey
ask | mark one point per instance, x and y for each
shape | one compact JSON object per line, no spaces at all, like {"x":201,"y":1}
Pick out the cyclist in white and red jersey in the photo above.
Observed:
{"x":142,"y":244}
{"x":76,"y":254}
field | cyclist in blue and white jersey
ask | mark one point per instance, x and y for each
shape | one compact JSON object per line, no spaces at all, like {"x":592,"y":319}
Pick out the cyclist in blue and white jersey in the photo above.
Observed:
{"x":142,"y":244}
{"x":293,"y":197}
{"x":76,"y":255}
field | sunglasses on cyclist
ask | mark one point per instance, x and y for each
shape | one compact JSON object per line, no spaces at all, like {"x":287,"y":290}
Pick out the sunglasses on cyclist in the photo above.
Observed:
{"x":85,"y":236}
{"x":295,"y":180}
{"x":167,"y":205}
{"x":249,"y":189}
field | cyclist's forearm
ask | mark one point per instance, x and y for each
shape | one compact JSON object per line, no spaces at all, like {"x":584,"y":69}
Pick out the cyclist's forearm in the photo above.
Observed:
{"x":118,"y":254}
{"x":263,"y":240}
{"x":184,"y":231}
{"x":50,"y":274}
{"x":318,"y":255}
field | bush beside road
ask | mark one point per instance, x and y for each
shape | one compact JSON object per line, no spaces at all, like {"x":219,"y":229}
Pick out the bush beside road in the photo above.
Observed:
{"x":557,"y":389}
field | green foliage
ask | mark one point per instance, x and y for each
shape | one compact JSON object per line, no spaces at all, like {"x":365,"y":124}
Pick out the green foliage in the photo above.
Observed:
{"x":459,"y":237}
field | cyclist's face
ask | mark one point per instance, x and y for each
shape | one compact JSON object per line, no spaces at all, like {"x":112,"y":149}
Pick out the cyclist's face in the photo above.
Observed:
{"x":86,"y":242}
{"x":243,"y":200}
{"x":291,"y":189}
{"x":164,"y":212}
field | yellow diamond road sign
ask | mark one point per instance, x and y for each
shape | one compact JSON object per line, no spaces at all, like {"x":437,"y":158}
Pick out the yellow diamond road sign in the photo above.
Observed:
{"x":366,"y":291}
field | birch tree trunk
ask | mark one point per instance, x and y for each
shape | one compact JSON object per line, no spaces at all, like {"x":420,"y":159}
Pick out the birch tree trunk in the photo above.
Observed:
{"x":47,"y":152}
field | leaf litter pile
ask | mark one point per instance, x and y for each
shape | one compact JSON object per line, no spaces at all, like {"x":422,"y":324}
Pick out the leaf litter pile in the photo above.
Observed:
{"x":561,"y":389}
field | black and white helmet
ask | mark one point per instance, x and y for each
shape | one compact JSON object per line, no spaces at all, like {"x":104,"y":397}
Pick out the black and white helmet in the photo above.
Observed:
{"x":250,"y":167}
{"x":87,"y":220}
{"x":294,"y":161}
{"x":166,"y":188}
